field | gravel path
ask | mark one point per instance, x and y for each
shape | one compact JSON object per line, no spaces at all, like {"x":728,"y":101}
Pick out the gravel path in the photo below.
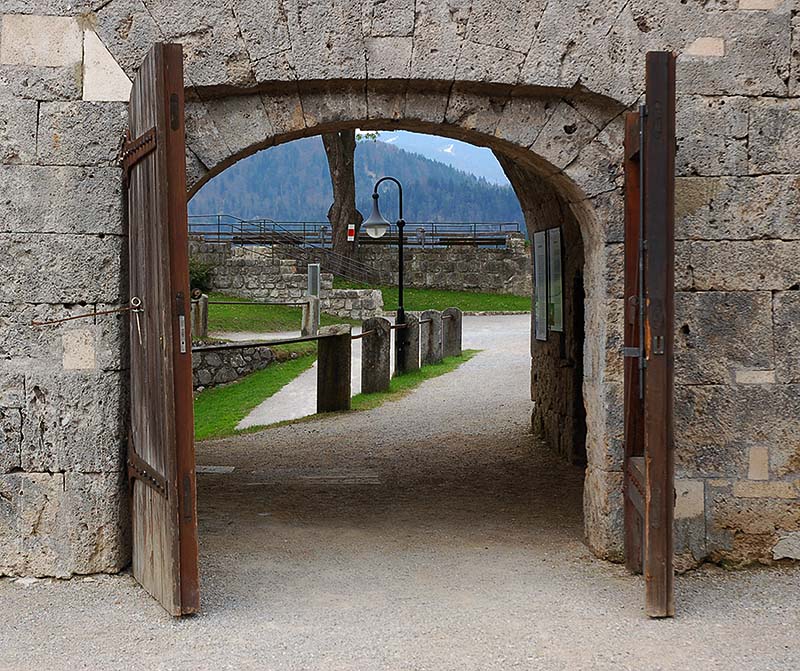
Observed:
{"x":430,"y":533}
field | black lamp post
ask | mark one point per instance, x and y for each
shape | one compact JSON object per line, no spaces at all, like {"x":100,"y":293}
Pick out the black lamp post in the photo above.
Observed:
{"x":376,"y":227}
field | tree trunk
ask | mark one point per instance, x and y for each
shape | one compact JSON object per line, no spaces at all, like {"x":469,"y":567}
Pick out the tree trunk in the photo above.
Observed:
{"x":340,"y":148}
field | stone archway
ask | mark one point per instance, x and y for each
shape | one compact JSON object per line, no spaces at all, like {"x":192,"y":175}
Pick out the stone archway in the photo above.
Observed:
{"x":562,"y":153}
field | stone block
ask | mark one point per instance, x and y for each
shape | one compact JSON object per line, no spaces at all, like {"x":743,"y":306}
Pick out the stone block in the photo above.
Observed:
{"x":505,"y":24}
{"x":10,"y":439}
{"x":603,"y":513}
{"x":751,"y":376}
{"x":712,"y":135}
{"x":689,"y":498}
{"x":775,"y":489}
{"x":17,"y":130}
{"x":41,"y":41}
{"x":788,"y":546}
{"x":438,"y":36}
{"x":63,"y":524}
{"x":739,"y":208}
{"x":388,"y":57}
{"x":564,"y":135}
{"x":483,"y":63}
{"x":759,"y":463}
{"x":430,"y":337}
{"x":41,"y":268}
{"x":475,"y":112}
{"x":690,"y":523}
{"x":738,"y":59}
{"x":388,"y":18}
{"x":103,"y":78}
{"x":794,"y":79}
{"x":452,"y":328}
{"x":721,"y":336}
{"x":324,"y":105}
{"x":715,"y":427}
{"x":409,"y":361}
{"x":128,"y":30}
{"x":242,"y":121}
{"x":74,"y":421}
{"x":79,"y":349}
{"x":39,"y":204}
{"x":376,"y":353}
{"x":80,"y":133}
{"x":35,"y":83}
{"x":751,"y":265}
{"x":786,"y":316}
{"x":775,"y":137}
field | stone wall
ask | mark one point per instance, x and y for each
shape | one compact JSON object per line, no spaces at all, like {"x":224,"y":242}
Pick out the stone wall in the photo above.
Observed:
{"x":212,"y":367}
{"x":543,"y":84}
{"x":260,"y":273}
{"x":456,"y":268}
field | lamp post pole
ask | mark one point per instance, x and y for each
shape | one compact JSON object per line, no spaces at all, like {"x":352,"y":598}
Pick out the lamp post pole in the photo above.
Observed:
{"x":378,"y":223}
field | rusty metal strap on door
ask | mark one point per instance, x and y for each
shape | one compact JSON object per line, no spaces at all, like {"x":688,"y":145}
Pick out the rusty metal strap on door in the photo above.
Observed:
{"x":134,"y":150}
{"x":139,"y":469}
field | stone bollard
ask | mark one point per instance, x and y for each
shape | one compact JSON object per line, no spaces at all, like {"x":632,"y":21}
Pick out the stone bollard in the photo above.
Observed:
{"x":409,"y":362}
{"x":333,"y":368}
{"x":376,"y":352}
{"x":430,"y":337}
{"x":451,"y":332}
{"x":310,"y":319}
{"x":199,"y":320}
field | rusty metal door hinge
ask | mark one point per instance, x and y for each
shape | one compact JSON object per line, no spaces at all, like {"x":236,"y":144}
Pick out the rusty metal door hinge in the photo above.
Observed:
{"x":134,"y":150}
{"x":140,"y":470}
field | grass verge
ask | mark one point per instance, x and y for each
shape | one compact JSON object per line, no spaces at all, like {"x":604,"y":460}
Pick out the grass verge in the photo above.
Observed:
{"x":259,"y":318}
{"x":438,"y":299}
{"x":403,"y":384}
{"x":217,"y":411}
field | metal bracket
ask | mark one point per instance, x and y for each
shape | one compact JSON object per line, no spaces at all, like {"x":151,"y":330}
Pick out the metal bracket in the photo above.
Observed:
{"x":134,"y":150}
{"x":140,"y":470}
{"x":631,"y":352}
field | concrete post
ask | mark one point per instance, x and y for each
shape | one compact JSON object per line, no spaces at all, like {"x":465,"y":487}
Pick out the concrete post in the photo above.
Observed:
{"x":199,"y":317}
{"x":333,"y":368}
{"x":451,"y":332}
{"x":430,"y":337}
{"x":410,"y":333}
{"x":310,"y":320}
{"x":376,"y":352}
{"x":313,"y":279}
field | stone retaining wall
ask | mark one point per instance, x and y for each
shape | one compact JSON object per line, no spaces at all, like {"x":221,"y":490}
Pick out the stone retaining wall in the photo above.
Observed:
{"x":352,"y":303}
{"x":456,"y":268}
{"x":214,"y":367}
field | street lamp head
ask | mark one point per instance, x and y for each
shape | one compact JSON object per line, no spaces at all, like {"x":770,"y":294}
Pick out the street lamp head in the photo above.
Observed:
{"x":376,"y":226}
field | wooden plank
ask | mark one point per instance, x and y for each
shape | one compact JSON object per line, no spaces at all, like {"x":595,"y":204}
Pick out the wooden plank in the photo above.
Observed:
{"x":659,"y":187}
{"x":175,"y":149}
{"x":160,"y":389}
{"x":634,"y":406}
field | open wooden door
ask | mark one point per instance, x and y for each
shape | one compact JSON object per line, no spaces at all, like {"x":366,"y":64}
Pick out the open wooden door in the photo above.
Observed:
{"x":649,"y":488}
{"x":161,"y":443}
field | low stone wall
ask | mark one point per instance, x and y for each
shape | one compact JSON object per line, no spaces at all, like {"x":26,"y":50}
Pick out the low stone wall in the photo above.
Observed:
{"x":352,"y":303}
{"x":457,"y":268}
{"x":256,"y":274}
{"x":213,"y":367}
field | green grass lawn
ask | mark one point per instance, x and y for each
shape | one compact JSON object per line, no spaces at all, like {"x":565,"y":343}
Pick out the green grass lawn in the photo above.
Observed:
{"x":259,"y":318}
{"x":217,"y":411}
{"x":437,"y":299}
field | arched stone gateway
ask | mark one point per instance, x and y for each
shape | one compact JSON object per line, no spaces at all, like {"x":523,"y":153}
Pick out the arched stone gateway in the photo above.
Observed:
{"x":542,"y":84}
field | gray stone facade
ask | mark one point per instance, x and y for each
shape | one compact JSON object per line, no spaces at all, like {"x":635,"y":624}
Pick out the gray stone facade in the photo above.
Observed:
{"x":542,"y":84}
{"x":457,"y":268}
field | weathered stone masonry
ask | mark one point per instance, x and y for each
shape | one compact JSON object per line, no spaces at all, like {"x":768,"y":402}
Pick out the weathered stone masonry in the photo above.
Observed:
{"x":542,"y":84}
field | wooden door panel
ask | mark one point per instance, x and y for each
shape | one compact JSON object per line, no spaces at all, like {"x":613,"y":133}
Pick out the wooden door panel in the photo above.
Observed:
{"x":161,"y":447}
{"x":649,"y":335}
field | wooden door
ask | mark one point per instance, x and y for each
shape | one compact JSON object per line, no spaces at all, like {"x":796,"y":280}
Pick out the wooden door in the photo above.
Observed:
{"x":161,"y":440}
{"x":649,"y":489}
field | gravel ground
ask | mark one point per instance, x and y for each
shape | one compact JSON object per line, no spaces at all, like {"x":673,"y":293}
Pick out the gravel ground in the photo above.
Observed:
{"x":430,"y":533}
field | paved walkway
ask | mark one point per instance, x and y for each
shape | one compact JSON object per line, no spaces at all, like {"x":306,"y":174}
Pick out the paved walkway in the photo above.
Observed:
{"x":299,"y":397}
{"x":431,"y":533}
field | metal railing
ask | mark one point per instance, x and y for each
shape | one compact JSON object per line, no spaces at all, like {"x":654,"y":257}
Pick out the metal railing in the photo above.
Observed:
{"x":224,"y":227}
{"x":269,"y":238}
